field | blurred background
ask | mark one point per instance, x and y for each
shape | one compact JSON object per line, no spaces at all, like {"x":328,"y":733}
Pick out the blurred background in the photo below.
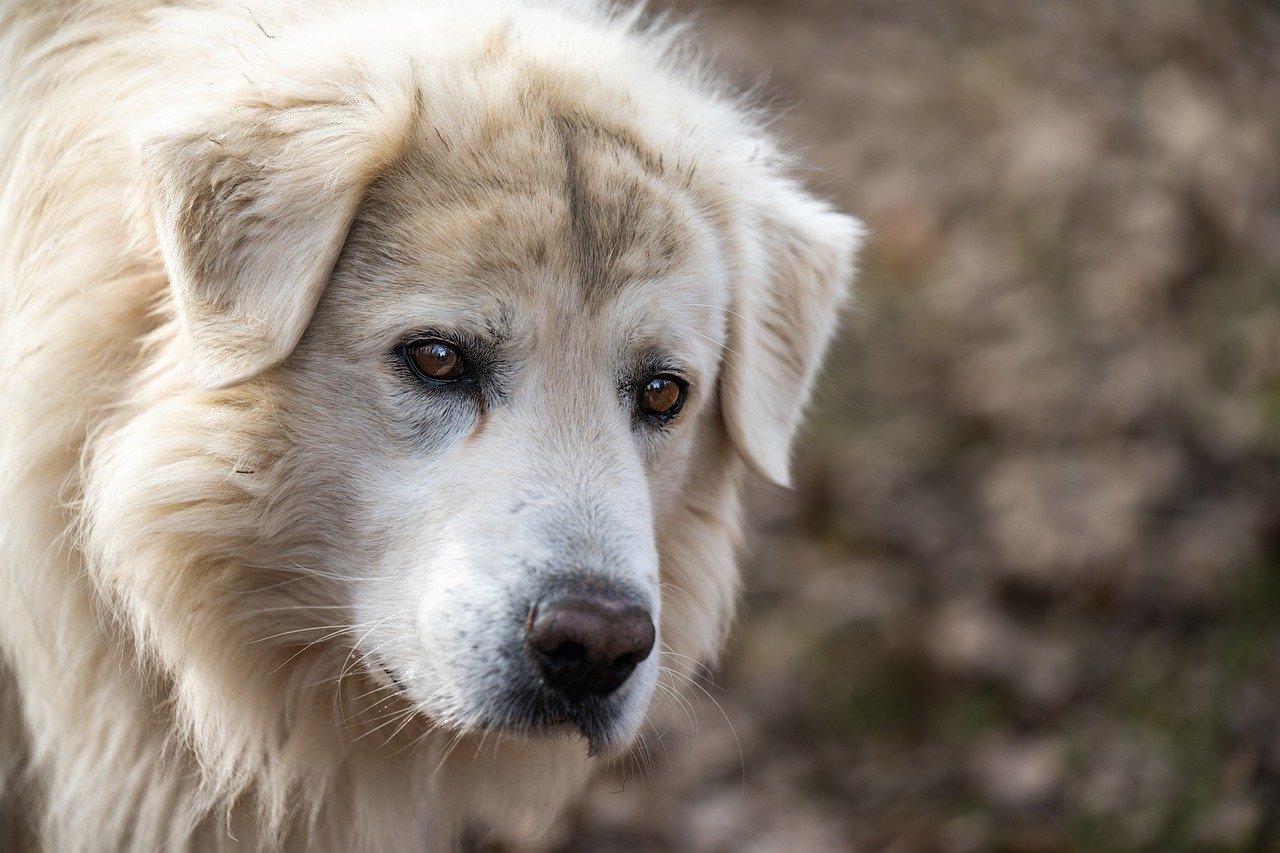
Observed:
{"x":1026,"y":594}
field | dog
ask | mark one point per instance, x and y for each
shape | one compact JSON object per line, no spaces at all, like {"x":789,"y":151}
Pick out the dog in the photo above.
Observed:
{"x":378,"y":383}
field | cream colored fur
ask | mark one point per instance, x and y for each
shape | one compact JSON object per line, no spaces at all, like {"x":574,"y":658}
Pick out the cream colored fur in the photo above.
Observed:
{"x":219,"y":500}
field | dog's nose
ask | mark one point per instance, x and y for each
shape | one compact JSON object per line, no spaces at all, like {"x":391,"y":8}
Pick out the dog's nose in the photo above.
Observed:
{"x":588,"y":644}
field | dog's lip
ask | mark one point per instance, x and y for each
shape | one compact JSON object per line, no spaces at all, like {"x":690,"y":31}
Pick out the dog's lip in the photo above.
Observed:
{"x":530,"y":711}
{"x":538,"y":712}
{"x":386,"y":676}
{"x":598,"y":742}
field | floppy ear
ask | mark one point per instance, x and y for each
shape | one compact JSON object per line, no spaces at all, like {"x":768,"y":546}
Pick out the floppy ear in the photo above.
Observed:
{"x":784,"y":314}
{"x":253,"y":202}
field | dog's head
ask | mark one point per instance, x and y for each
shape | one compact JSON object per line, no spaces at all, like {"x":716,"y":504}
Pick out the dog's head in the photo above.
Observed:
{"x":517,"y":314}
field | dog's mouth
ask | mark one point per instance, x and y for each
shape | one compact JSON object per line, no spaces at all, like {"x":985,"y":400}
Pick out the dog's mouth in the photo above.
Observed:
{"x":535,"y":712}
{"x":531,"y":712}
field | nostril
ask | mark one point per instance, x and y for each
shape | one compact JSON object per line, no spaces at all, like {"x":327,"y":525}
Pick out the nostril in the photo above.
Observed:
{"x":624,"y":664}
{"x":569,"y":653}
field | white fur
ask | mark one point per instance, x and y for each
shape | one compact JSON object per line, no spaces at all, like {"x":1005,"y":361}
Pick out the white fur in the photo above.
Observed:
{"x":222,"y":502}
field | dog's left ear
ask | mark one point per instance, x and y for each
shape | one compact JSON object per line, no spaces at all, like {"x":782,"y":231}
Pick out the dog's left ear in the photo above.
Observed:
{"x":253,"y":201}
{"x":784,"y":314}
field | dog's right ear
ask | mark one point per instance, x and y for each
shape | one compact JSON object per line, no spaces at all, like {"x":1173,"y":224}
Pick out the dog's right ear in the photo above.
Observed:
{"x":253,"y":202}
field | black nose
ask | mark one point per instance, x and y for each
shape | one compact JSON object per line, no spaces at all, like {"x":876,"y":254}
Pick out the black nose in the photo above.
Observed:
{"x":588,"y":644}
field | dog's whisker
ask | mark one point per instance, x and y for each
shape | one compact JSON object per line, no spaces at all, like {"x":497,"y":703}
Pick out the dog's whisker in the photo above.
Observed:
{"x":773,"y":338}
{"x":662,"y":744}
{"x":680,"y":702}
{"x":448,"y":750}
{"x":338,"y":628}
{"x":410,"y":715}
{"x":732,"y":731}
{"x":306,"y":607}
{"x":639,"y":755}
{"x":388,"y":719}
{"x":335,"y":632}
{"x":302,"y":572}
{"x":696,"y":664}
{"x":337,"y":689}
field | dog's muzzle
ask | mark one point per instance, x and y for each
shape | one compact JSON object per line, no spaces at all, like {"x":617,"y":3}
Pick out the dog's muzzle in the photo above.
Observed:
{"x":583,"y":639}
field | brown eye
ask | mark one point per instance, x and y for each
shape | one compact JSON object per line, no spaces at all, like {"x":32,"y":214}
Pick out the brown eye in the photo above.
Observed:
{"x":436,"y":360}
{"x":662,"y":396}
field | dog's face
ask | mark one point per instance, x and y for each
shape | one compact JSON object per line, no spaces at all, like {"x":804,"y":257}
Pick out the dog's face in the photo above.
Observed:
{"x":505,"y":386}
{"x":507,"y":335}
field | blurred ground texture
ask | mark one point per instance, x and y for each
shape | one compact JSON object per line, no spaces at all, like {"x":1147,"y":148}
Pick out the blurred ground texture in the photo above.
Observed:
{"x":1026,"y":595}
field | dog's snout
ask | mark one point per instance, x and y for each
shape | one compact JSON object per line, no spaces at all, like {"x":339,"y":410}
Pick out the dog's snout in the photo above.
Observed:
{"x":588,"y":644}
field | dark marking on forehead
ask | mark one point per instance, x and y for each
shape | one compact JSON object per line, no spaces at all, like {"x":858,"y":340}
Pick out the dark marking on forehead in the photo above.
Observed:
{"x":621,"y":225}
{"x":572,"y":198}
{"x":577,"y":129}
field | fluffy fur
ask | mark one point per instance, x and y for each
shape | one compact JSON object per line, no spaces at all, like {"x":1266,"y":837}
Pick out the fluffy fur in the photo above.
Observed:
{"x":222,"y":502}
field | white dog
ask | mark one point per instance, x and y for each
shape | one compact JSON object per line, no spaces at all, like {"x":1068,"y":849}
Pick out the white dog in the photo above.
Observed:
{"x":377,"y":381}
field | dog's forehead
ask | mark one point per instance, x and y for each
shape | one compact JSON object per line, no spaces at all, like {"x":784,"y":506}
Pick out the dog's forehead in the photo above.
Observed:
{"x":555,"y":196}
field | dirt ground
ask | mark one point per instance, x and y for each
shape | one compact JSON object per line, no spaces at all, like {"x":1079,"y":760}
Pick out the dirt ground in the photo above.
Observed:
{"x":1026,"y":595}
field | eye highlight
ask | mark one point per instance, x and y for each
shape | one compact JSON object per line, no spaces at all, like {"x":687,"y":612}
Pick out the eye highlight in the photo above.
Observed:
{"x":661,"y":397}
{"x":434,"y":360}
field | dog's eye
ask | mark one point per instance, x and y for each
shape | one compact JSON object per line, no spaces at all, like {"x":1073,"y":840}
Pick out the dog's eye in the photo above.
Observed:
{"x":662,"y":396}
{"x":436,"y":361}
